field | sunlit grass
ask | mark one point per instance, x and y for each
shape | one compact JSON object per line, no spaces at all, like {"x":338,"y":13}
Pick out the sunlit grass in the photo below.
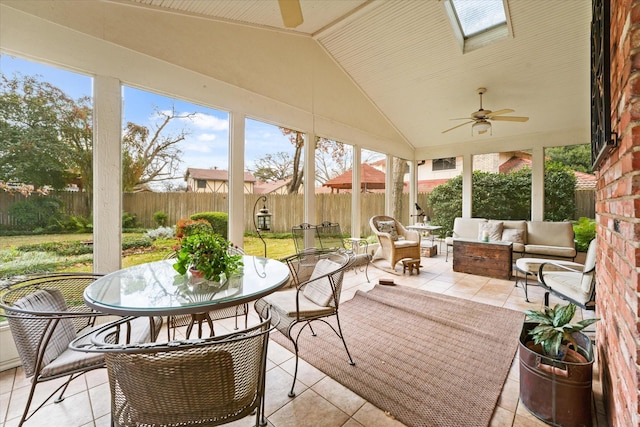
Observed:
{"x":14,"y":262}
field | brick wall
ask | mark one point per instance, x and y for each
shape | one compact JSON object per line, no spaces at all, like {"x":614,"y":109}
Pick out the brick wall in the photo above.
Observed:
{"x":618,"y":229}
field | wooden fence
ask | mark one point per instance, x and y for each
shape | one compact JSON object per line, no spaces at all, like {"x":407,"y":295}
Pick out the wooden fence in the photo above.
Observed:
{"x":287,"y":210}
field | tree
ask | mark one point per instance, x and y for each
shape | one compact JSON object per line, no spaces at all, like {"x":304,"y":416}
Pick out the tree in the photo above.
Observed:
{"x":399,"y":169}
{"x":332,"y":159}
{"x":576,"y":157}
{"x":297,"y":172}
{"x":273,"y":167}
{"x":36,"y":121}
{"x":150,"y":155}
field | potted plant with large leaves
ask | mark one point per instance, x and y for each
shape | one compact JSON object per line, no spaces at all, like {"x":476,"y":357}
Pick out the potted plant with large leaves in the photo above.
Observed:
{"x":208,"y":254}
{"x":556,"y":366}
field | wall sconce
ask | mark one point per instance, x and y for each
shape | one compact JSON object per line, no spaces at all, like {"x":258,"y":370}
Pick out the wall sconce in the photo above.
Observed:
{"x":262,"y":220}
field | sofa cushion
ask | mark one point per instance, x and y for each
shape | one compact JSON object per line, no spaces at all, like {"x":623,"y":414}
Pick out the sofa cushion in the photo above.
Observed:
{"x":516,"y":225}
{"x":551,"y":251}
{"x":513,"y":235}
{"x":467,"y":228}
{"x":388,"y":227}
{"x":545,"y":233}
{"x":493,"y":228}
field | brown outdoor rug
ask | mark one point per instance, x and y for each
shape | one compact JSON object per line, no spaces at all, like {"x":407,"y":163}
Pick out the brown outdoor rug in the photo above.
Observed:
{"x":427,"y":359}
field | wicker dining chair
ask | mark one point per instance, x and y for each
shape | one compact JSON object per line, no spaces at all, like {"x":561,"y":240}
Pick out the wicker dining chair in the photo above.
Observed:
{"x":204,"y":382}
{"x":315,"y":297}
{"x":45,"y":313}
{"x":198,"y":319}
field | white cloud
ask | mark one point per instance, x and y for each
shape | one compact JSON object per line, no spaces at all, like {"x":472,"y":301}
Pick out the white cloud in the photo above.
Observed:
{"x":208,"y":122}
{"x":207,"y":137}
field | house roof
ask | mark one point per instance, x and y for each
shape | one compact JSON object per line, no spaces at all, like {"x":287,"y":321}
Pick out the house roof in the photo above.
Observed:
{"x":214,"y":175}
{"x":583,"y":180}
{"x":370,"y":179}
{"x":261,"y":187}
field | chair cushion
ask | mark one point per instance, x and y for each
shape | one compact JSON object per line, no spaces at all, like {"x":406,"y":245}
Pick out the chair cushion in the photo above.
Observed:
{"x":494,"y":228}
{"x":284,"y":302}
{"x":27,"y":332}
{"x":320,"y":291}
{"x":388,"y":227}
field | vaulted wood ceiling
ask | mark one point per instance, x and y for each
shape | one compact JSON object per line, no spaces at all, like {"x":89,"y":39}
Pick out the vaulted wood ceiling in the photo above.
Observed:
{"x":402,"y":55}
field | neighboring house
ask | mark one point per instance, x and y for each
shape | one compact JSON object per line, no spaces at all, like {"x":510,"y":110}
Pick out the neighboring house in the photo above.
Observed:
{"x":214,"y":181}
{"x":275,"y":187}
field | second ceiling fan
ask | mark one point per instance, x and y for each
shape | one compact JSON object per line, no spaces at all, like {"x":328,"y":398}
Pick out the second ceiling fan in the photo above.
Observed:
{"x":482,"y":118}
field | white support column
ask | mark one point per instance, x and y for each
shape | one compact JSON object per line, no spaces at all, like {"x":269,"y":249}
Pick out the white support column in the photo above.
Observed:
{"x":236,"y":178}
{"x":467,"y":185}
{"x":413,"y":189}
{"x":537,"y":185}
{"x":356,"y":193}
{"x":107,"y":174}
{"x":309,"y":178}
{"x":388,"y":185}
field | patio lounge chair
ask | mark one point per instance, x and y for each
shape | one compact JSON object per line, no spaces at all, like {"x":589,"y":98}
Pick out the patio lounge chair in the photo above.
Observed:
{"x":45,"y":313}
{"x":315,"y":297}
{"x":210,"y":381}
{"x":577,"y":285}
{"x":396,"y":242}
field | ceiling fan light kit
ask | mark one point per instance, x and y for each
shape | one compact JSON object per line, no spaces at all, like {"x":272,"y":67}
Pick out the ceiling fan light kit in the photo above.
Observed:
{"x":481,"y":118}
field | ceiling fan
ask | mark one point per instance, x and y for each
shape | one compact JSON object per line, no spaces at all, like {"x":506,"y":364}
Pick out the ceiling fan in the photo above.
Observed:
{"x":291,"y":13}
{"x":481,"y":118}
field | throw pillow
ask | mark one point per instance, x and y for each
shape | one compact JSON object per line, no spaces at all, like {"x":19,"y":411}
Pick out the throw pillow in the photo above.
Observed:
{"x":388,"y":227}
{"x":319,"y":291}
{"x":513,"y":235}
{"x":494,"y":229}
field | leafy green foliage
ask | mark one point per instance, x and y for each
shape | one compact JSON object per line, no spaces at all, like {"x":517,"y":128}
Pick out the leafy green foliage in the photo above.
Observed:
{"x":160,"y":218}
{"x":37,"y":212}
{"x":219,"y":221}
{"x":575,"y":157}
{"x":129,"y":220}
{"x":555,"y":328}
{"x":504,"y":196}
{"x":207,"y":253}
{"x":559,"y":192}
{"x":585,"y":232}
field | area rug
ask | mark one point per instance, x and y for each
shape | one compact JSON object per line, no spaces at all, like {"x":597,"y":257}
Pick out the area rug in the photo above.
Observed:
{"x":426,"y":359}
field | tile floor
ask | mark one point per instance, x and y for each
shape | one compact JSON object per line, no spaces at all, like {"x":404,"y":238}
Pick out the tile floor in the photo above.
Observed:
{"x":320,"y":401}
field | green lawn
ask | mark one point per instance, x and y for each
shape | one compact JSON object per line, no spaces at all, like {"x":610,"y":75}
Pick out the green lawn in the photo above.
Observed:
{"x":14,"y":262}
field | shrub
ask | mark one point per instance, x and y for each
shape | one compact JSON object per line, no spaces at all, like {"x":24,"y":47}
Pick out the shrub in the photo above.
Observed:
{"x":585,"y":231}
{"x":187,"y":227}
{"x":37,"y":212}
{"x":161,"y":233}
{"x":505,"y":196}
{"x":130,"y":242}
{"x":129,"y":220}
{"x":160,"y":218}
{"x":76,"y":224}
{"x":218,"y":220}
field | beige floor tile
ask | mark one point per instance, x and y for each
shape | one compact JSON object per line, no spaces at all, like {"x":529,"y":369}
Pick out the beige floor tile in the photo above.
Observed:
{"x":371,"y":416}
{"x":309,"y":409}
{"x":339,"y":395}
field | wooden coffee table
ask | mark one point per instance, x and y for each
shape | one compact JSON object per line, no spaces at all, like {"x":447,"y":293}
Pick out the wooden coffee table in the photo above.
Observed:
{"x":492,"y":259}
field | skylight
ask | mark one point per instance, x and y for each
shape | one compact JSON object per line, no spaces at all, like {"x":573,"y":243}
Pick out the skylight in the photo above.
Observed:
{"x":477,"y":16}
{"x":477,"y":23}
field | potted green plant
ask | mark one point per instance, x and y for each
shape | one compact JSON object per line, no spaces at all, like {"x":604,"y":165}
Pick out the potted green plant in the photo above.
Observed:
{"x":554,"y":330}
{"x":206,"y":253}
{"x":556,"y":366}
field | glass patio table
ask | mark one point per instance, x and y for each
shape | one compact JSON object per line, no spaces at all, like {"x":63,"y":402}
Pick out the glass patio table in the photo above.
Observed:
{"x":156,"y":289}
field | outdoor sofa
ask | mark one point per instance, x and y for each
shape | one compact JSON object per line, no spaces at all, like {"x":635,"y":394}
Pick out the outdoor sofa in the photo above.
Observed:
{"x":545,"y":239}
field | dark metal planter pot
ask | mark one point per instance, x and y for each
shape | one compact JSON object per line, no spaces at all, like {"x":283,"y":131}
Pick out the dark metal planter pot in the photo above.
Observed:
{"x":558,"y":393}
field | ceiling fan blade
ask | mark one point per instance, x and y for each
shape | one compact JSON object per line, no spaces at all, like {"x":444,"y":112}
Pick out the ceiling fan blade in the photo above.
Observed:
{"x":455,"y":127}
{"x":499,"y":112}
{"x":510,"y":118}
{"x":291,"y":13}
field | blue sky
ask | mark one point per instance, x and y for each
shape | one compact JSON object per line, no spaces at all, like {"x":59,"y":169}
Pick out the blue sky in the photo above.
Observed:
{"x":206,"y":144}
